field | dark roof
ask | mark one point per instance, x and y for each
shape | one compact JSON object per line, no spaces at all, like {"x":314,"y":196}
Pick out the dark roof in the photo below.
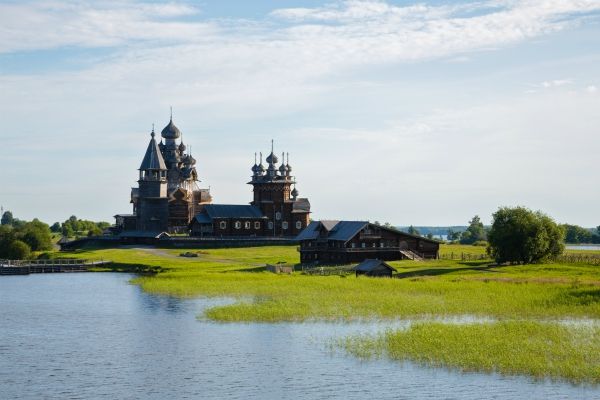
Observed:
{"x":301,"y":206}
{"x":153,"y":159}
{"x":370,"y":265}
{"x":336,"y":230}
{"x":310,"y":232}
{"x":346,"y":230}
{"x":202,"y":218}
{"x":232,"y":211}
{"x":170,"y":131}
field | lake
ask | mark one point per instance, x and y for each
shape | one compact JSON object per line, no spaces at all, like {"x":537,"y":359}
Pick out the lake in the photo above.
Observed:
{"x":583,"y":247}
{"x":93,"y":335}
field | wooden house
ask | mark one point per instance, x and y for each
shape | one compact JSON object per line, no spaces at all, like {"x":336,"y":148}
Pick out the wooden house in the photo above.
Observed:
{"x":343,"y":242}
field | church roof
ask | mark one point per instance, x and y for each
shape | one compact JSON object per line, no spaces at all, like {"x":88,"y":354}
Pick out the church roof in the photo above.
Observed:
{"x":170,"y":131}
{"x":153,"y":159}
{"x":230,"y":211}
{"x":301,"y":206}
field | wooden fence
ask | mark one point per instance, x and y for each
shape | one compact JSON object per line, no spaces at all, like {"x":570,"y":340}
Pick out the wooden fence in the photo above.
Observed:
{"x":340,"y":270}
{"x":463,"y":256}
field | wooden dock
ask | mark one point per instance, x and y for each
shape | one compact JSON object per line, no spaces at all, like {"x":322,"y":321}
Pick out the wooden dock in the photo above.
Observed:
{"x":26,"y":267}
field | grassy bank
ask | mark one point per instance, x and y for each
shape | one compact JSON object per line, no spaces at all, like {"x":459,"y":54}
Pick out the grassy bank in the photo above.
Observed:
{"x":439,"y":287}
{"x":540,"y":350}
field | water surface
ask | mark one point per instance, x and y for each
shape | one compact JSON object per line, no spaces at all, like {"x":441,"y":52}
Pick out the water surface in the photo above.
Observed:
{"x":92,"y":335}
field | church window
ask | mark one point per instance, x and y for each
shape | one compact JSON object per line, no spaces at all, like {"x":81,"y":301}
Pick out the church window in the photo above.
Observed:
{"x":223,"y":225}
{"x":353,"y":245}
{"x":270,"y":225}
{"x":381,"y":244}
{"x":238,"y":225}
{"x":247,"y":225}
{"x":284,"y":225}
{"x":277,"y":215}
{"x":298,"y":224}
{"x":363,"y":245}
{"x":256,"y":225}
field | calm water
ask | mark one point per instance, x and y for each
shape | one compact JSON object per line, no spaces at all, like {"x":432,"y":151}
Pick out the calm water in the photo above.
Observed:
{"x":583,"y":246}
{"x":83,"y":336}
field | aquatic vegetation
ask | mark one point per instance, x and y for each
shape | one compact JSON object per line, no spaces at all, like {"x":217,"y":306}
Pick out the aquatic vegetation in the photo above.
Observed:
{"x":439,"y":287}
{"x":542,"y":350}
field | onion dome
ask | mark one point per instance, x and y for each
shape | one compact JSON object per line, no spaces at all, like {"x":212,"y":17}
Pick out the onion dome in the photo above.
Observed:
{"x":282,"y":169}
{"x":272,"y":158}
{"x":182,"y":147}
{"x":261,"y":168}
{"x":170,"y":131}
{"x":255,"y":169}
{"x":295,"y":192}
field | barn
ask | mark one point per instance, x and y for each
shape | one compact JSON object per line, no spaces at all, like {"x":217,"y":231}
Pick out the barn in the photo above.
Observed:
{"x":373,"y":267}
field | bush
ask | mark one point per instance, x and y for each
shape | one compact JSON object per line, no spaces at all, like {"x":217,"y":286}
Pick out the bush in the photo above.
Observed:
{"x":18,"y":250}
{"x":519,"y":235}
{"x":480,"y":243}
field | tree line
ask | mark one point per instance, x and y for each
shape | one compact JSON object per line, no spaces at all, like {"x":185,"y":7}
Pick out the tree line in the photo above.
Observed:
{"x":20,"y":239}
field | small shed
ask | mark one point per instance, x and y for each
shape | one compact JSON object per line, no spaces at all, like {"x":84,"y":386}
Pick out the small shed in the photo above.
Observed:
{"x":374,"y":267}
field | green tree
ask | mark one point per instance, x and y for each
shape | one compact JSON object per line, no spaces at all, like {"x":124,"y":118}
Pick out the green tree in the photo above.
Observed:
{"x":430,"y":235}
{"x":475,"y":232}
{"x":413,"y":231}
{"x":7,"y":218}
{"x":67,"y":231}
{"x":576,"y":234}
{"x":519,"y":235}
{"x":55,"y":227}
{"x":18,"y":250}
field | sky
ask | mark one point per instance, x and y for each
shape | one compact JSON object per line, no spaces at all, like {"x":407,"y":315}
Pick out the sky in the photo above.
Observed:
{"x":422,"y":113}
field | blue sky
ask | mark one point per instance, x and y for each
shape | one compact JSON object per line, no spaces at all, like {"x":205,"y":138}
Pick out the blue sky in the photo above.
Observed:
{"x":414,"y":113}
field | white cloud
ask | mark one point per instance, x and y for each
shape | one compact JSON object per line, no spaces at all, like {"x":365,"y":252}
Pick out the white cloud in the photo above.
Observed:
{"x":591,"y":89}
{"x":556,"y":83}
{"x":46,"y":25}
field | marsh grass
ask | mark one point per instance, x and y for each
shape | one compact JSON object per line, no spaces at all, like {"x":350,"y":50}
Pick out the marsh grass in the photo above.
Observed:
{"x":536,"y":349}
{"x":438,"y":287}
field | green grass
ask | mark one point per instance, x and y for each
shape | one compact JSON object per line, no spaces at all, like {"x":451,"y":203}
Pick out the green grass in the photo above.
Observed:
{"x":540,"y":350}
{"x":525,"y":299}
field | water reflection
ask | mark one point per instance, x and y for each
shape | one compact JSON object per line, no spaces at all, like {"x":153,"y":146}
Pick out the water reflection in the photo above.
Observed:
{"x":95,"y":336}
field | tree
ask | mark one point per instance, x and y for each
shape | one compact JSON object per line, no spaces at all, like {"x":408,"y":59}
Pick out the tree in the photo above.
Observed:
{"x":18,"y":250}
{"x":576,"y":234}
{"x":7,"y":218}
{"x":519,"y":235}
{"x":475,"y":232}
{"x":413,"y":231}
{"x":430,"y":235}
{"x":55,"y":227}
{"x":452,"y":236}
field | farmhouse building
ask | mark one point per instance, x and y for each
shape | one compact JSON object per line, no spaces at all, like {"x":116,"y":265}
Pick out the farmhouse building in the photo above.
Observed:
{"x":337,"y":242}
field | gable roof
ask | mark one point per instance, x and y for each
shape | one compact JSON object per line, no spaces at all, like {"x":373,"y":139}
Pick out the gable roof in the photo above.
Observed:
{"x":310,"y":232}
{"x":345,"y":230}
{"x":232,"y":211}
{"x":370,"y":265}
{"x":153,"y":159}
